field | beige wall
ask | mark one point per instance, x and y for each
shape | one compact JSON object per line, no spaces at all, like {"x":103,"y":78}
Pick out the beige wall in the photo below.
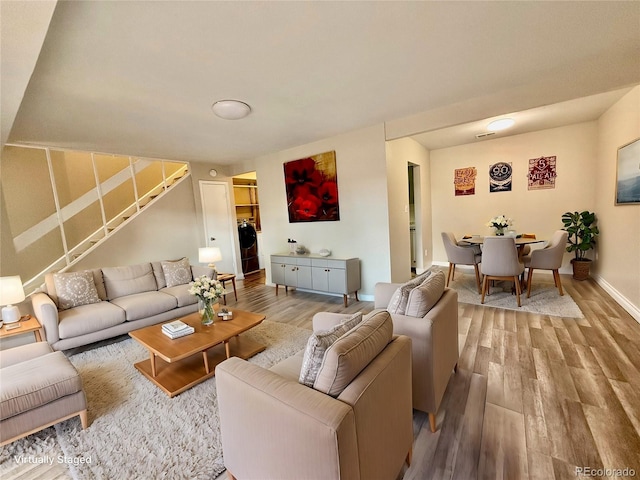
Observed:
{"x":167,"y":229}
{"x":535,"y":211}
{"x":618,"y":265}
{"x":400,"y":153}
{"x":362,"y":189}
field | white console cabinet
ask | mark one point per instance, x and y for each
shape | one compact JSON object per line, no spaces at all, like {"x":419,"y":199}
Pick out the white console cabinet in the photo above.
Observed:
{"x":313,"y":272}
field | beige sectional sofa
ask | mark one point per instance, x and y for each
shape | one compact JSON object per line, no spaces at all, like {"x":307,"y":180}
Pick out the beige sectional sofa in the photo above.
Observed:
{"x":355,"y":422}
{"x":78,"y":308}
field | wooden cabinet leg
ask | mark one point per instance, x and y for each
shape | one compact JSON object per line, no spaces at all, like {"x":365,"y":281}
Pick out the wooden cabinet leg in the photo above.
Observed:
{"x":344,"y":298}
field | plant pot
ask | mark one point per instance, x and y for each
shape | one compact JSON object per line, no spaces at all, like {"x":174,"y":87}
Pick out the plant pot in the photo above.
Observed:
{"x":581,"y":268}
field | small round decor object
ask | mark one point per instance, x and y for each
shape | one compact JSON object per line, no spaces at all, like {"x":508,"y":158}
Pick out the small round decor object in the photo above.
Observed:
{"x":300,"y":250}
{"x":324,"y":252}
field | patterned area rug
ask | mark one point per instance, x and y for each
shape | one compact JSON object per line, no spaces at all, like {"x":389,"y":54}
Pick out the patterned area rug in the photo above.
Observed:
{"x":544,"y":298}
{"x":136,"y":431}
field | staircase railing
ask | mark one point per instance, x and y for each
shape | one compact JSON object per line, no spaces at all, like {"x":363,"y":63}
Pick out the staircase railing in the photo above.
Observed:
{"x":141,"y":199}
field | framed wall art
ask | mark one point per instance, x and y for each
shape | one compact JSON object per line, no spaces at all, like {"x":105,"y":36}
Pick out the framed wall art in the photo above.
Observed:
{"x":628,"y":174}
{"x":312,"y":188}
{"x":542,"y":173}
{"x":464,"y":181}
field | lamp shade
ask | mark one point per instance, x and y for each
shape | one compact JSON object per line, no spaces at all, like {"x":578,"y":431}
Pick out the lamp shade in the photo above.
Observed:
{"x":209,"y":255}
{"x":11,"y":291}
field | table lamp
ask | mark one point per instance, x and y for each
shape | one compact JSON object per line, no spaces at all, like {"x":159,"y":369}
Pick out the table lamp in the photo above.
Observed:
{"x":209,"y":255}
{"x":11,"y":292}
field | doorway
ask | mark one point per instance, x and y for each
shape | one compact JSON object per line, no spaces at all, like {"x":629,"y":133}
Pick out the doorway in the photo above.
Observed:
{"x":219,"y":223}
{"x":415,"y":219}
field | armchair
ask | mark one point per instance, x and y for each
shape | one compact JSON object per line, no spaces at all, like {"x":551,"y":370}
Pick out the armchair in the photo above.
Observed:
{"x":434,"y":346}
{"x":273,"y":427}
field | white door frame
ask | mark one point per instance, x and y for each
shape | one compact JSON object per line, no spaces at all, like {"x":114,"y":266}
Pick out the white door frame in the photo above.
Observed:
{"x":232,"y":221}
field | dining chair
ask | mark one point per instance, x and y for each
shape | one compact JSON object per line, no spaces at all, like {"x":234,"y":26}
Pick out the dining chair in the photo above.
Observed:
{"x":459,"y":255}
{"x":547,"y":258}
{"x":500,"y":262}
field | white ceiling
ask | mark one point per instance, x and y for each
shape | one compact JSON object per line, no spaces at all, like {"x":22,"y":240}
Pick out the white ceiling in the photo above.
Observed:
{"x":139,"y":78}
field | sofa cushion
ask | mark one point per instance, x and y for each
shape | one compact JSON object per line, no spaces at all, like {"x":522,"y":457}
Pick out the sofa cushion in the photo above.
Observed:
{"x":182,"y":295}
{"x":50,"y":286}
{"x":22,"y":353}
{"x":128,"y":280}
{"x":351,"y":353}
{"x":145,"y":304}
{"x":318,"y":344}
{"x":37,"y":382}
{"x":425,"y":296}
{"x":75,"y":288}
{"x":158,"y":274}
{"x":177,"y":273}
{"x":398,"y":302}
{"x":88,"y":319}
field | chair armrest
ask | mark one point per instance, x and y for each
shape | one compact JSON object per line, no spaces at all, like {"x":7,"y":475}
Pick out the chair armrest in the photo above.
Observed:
{"x":323,"y":321}
{"x":47,"y":314}
{"x":383,"y":293}
{"x":277,"y":428}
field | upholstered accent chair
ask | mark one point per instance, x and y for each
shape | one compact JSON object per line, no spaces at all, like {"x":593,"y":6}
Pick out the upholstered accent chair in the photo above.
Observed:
{"x":354,"y":423}
{"x":433,"y":328}
{"x":500,"y":262}
{"x":458,"y":254}
{"x":38,"y":388}
{"x":547,"y":258}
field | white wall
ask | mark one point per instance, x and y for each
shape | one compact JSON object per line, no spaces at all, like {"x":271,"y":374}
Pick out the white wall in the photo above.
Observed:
{"x":618,"y":266}
{"x":533,"y":211}
{"x":362,"y":191}
{"x":400,"y":153}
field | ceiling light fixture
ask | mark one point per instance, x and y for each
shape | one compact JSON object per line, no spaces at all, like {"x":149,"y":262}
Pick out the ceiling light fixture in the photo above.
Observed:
{"x":231,"y":109}
{"x":501,"y":124}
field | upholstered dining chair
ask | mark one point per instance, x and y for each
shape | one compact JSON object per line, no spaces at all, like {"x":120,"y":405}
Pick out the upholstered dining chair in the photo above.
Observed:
{"x":459,"y":255}
{"x":500,"y":262}
{"x":547,"y":258}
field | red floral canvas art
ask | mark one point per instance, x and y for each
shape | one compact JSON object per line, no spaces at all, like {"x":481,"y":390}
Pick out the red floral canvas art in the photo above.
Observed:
{"x":312,"y":188}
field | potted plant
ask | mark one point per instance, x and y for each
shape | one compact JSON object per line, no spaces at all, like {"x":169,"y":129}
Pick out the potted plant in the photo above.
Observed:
{"x":582,"y":238}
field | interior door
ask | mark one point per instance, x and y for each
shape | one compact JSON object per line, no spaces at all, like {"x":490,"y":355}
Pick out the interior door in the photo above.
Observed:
{"x":219,"y":223}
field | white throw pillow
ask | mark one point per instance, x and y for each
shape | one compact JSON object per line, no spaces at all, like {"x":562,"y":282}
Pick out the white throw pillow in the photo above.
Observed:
{"x":317,"y":346}
{"x":75,"y":289}
{"x":425,"y":296}
{"x":177,"y":273}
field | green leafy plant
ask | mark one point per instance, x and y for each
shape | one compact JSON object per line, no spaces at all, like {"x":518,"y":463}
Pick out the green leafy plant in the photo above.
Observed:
{"x":582,"y":232}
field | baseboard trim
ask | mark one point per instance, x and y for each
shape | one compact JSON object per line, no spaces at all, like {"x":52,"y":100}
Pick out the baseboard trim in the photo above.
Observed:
{"x":618,"y":297}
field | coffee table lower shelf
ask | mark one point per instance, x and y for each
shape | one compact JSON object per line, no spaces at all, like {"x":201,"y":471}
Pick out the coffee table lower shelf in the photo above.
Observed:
{"x":176,"y":377}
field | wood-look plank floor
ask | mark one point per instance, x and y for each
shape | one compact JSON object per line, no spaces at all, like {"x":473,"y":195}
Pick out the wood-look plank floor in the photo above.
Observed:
{"x":534,"y":397}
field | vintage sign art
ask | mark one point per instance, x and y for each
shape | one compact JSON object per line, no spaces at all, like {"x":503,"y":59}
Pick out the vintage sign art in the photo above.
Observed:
{"x":500,"y":175}
{"x":542,"y":173}
{"x":464,"y":181}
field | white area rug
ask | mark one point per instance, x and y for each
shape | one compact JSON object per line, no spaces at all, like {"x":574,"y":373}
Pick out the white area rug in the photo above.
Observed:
{"x":136,"y":430}
{"x":544,"y":298}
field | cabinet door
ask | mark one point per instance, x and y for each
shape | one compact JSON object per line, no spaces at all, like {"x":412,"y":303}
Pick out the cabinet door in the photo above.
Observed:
{"x":337,"y":279}
{"x":304,"y":277}
{"x":319,"y":279}
{"x":291,"y":275}
{"x":277,"y":273}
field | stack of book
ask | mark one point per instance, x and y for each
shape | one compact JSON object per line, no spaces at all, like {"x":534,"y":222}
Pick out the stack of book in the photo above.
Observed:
{"x":177,"y":329}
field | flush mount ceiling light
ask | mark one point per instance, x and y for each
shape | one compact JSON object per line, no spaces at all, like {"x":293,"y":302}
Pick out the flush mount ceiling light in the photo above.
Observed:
{"x":231,"y":109}
{"x":500,"y":124}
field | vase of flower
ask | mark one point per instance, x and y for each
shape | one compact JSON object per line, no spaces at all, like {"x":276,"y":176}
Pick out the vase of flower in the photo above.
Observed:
{"x":209,"y":291}
{"x":206,"y":311}
{"x":500,"y":224}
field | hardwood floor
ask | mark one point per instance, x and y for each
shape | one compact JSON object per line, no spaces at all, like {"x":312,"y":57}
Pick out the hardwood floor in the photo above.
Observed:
{"x":534,"y":396}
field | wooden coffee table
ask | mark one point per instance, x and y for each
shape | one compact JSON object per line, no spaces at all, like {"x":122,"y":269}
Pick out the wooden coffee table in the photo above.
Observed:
{"x":187,"y":361}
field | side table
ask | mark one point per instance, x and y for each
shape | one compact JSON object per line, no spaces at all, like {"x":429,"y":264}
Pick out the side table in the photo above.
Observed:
{"x":27,"y":324}
{"x":224,"y":277}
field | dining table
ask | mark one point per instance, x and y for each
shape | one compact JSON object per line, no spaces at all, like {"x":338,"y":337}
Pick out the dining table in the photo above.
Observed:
{"x":520,"y":241}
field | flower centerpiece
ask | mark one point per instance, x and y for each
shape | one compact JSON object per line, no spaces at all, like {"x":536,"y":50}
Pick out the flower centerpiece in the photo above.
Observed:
{"x":208,"y":291}
{"x":500,"y":223}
